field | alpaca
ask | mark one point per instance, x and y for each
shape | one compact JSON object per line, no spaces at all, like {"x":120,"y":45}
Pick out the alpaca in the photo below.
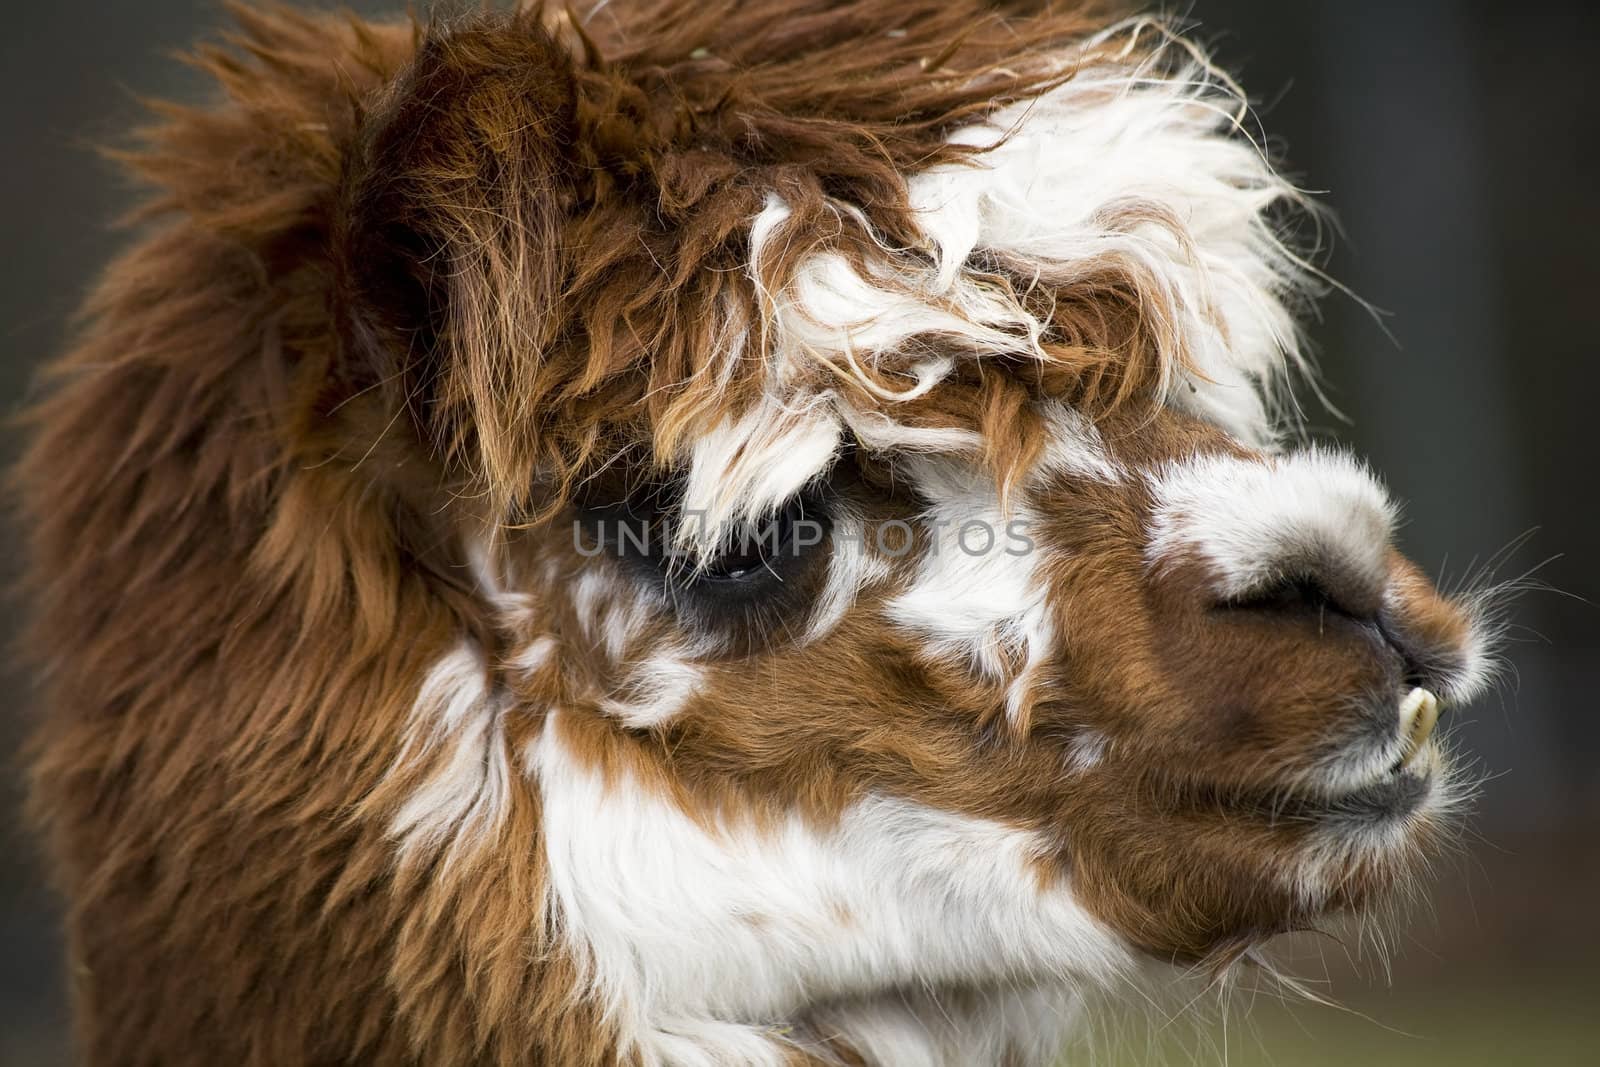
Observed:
{"x":707,"y":532}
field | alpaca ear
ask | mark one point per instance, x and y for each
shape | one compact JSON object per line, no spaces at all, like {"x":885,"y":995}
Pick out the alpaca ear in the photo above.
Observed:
{"x":449,"y":238}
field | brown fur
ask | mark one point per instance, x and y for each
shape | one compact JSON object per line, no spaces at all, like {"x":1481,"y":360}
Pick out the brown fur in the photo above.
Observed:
{"x":408,"y":282}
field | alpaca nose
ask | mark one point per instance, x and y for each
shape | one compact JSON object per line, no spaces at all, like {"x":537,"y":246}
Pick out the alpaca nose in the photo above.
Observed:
{"x":1328,"y":592}
{"x":1418,"y":710}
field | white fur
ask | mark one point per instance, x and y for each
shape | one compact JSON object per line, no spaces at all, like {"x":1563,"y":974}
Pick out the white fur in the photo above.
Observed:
{"x":707,"y":943}
{"x":649,"y":685}
{"x":877,"y":431}
{"x":1143,"y":170}
{"x":1086,"y":751}
{"x":1339,"y":849}
{"x":1138,"y":169}
{"x":1255,"y":521}
{"x":1075,"y":447}
{"x":1130,"y":168}
{"x":743,"y":470}
{"x":980,"y":607}
{"x":852,"y":567}
{"x":611,"y":609}
{"x":466,"y":793}
{"x":535,"y":656}
{"x":658,"y":689}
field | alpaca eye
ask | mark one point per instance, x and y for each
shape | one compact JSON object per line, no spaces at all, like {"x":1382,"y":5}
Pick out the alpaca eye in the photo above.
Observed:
{"x":764,"y":549}
{"x":756,"y":590}
{"x":751,"y":594}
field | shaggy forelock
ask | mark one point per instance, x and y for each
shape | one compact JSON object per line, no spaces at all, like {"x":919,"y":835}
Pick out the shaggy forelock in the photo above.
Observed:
{"x":630,"y":240}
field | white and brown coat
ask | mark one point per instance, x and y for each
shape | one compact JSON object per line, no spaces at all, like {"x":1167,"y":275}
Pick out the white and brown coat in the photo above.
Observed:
{"x":355,"y":753}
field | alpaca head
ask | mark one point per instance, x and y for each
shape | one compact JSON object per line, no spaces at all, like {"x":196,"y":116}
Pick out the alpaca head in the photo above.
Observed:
{"x":818,"y":471}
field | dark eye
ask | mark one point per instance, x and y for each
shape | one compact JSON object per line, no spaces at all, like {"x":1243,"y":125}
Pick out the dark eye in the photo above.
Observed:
{"x":753,"y":593}
{"x":766,"y":549}
{"x":756,"y":591}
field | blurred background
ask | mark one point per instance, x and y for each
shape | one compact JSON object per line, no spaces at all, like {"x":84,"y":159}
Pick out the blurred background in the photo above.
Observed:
{"x":1459,"y":143}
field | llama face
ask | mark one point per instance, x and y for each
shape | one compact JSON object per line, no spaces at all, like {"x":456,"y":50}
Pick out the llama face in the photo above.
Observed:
{"x":708,"y":532}
{"x":1167,"y":697}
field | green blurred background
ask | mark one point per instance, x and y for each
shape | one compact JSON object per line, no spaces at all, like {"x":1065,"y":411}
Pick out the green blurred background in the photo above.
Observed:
{"x":1457,"y":141}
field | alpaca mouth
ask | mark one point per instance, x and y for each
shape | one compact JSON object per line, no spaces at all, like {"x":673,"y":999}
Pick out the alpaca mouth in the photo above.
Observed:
{"x":1398,"y":785}
{"x":1390,"y":784}
{"x":1400,"y":792}
{"x":1392,"y":794}
{"x":1393,"y":777}
{"x":1400,"y":789}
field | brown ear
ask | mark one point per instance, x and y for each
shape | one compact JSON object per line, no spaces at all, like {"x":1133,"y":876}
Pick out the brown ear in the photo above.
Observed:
{"x":450,"y":230}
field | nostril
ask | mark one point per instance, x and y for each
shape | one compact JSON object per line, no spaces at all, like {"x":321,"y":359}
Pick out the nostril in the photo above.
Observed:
{"x":1294,"y":594}
{"x":1414,"y":672}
